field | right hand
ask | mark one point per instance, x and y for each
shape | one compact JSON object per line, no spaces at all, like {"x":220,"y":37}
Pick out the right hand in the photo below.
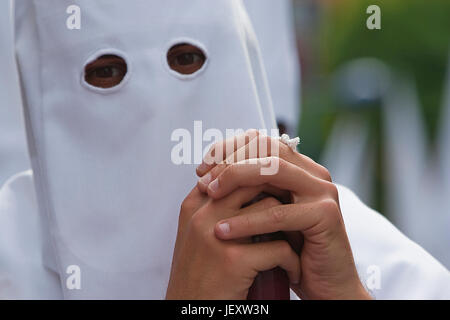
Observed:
{"x":312,"y":219}
{"x":205,"y":267}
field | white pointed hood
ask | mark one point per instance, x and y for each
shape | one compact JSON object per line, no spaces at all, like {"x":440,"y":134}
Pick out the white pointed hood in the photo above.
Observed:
{"x":102,"y":157}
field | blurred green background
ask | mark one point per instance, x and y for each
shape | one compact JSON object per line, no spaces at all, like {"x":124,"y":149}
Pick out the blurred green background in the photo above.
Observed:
{"x":414,"y":40}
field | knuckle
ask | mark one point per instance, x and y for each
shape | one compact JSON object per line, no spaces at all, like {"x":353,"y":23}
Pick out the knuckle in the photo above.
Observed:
{"x":201,"y":230}
{"x":325,"y":174}
{"x":330,"y":210}
{"x":197,"y":222}
{"x":282,"y":164}
{"x":332,"y":190}
{"x":186,"y":206}
{"x":245,"y":221}
{"x":232,"y":255}
{"x":277,"y":214}
{"x":328,"y":206}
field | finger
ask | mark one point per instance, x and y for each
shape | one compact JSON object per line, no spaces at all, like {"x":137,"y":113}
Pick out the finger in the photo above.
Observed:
{"x":265,"y":256}
{"x":250,"y":146}
{"x":203,"y":183}
{"x":232,"y":204}
{"x":262,"y":146}
{"x":221,"y":150}
{"x":273,"y":147}
{"x":240,"y":197}
{"x":263,"y":204}
{"x":246,"y":196}
{"x":205,"y":180}
{"x":283,"y":175}
{"x":309,"y":218}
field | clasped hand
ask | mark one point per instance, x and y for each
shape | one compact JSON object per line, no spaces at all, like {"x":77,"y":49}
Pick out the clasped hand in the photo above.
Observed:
{"x":214,"y":257}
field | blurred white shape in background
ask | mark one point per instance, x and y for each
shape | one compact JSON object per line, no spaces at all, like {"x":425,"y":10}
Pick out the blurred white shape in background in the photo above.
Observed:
{"x":350,"y":158}
{"x":418,"y":196}
{"x":444,"y":165}
{"x":349,"y":154}
{"x":405,"y":157}
{"x":13,"y":147}
{"x":362,"y":82}
{"x":444,"y":146}
{"x":417,"y":188}
{"x":273,"y":21}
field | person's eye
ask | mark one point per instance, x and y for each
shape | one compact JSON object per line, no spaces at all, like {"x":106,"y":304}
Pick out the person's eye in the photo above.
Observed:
{"x":106,"y":71}
{"x":185,"y":58}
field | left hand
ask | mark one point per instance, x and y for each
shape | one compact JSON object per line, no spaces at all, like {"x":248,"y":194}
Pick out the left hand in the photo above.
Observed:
{"x":314,"y":217}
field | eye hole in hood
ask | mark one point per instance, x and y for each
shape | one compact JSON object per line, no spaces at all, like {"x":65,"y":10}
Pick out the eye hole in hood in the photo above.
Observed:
{"x":107,"y":71}
{"x":185,"y":58}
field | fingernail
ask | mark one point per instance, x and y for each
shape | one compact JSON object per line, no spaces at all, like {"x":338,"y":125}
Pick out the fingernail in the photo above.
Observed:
{"x":214,"y":186}
{"x":224,"y":227}
{"x":206,"y":179}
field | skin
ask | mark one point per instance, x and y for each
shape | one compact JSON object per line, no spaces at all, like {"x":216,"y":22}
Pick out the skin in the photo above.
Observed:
{"x":312,"y":219}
